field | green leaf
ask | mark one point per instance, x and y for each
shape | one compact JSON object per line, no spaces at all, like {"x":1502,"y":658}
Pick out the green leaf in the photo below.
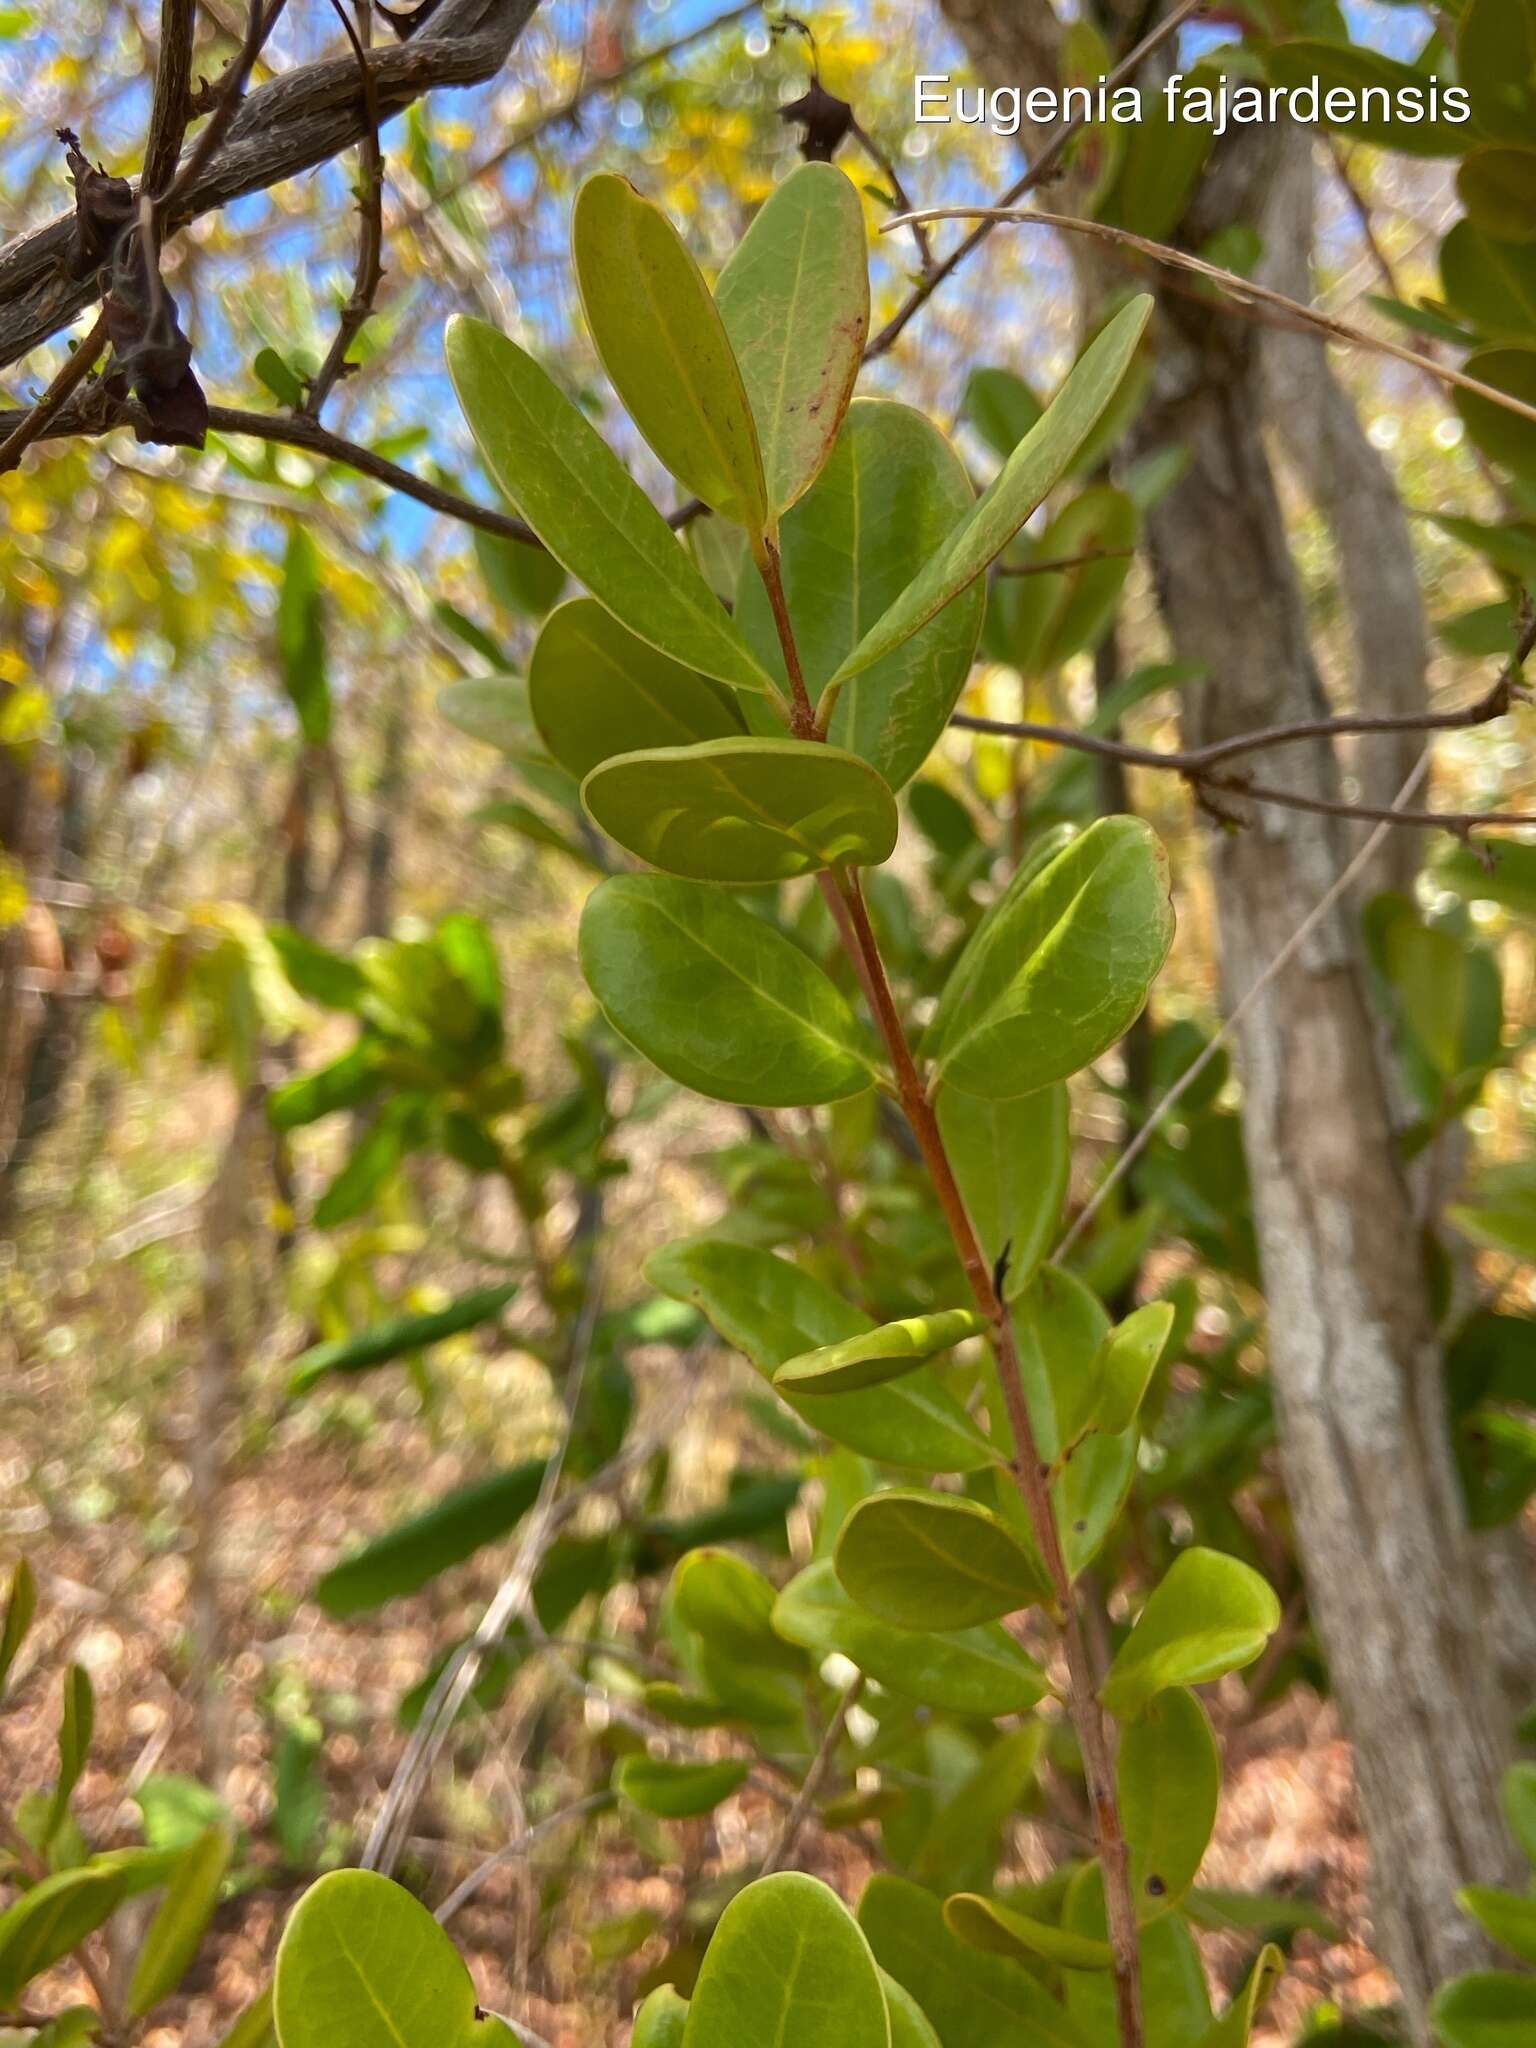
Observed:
{"x":75,"y":1727}
{"x":1208,"y":1615}
{"x":718,"y":998}
{"x":1038,"y":462}
{"x":972,"y":1671}
{"x":1236,"y":2023}
{"x":1039,"y":622}
{"x":1491,"y":282}
{"x":1508,"y":878}
{"x":678,"y":1791}
{"x":20,"y":1606}
{"x":254,"y":2028}
{"x":398,"y":1336}
{"x":935,"y":1560}
{"x":521,"y":578}
{"x":493,"y":709}
{"x":1012,"y":1160}
{"x":744,"y":811}
{"x":352,"y":1078}
{"x":71,"y":2027}
{"x":973,"y":1999}
{"x":910,"y":2025}
{"x":888,"y":498}
{"x":1489,"y":2009}
{"x":362,"y":1962}
{"x":416,"y":1551}
{"x":285,"y":385}
{"x":1507,"y":437}
{"x":1059,"y":968}
{"x":1176,"y":2005}
{"x":301,"y":637}
{"x":1495,"y":60}
{"x":587,"y":509}
{"x":794,"y":298}
{"x":1132,"y":1353}
{"x":1169,"y":1775}
{"x":1001,"y":1930}
{"x":1316,"y":67}
{"x":1508,"y":1917}
{"x":1001,"y":407}
{"x":730,"y":1605}
{"x":1497,"y":185}
{"x":52,"y":1918}
{"x":178,"y":1926}
{"x":315,"y":971}
{"x":886,"y":1353}
{"x":176,"y":1810}
{"x":661,"y":2019}
{"x":596,"y":691}
{"x":787,"y":1963}
{"x":1228,"y":1912}
{"x":771,"y":1310}
{"x":663,"y":343}
{"x":964,"y":1839}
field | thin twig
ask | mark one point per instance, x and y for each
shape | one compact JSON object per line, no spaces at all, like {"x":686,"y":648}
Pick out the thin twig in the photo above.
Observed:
{"x":369,"y":274}
{"x":172,"y":106}
{"x":784,"y":1848}
{"x":32,"y":424}
{"x":1243,"y":289}
{"x":1058,"y":562}
{"x":1043,"y":167}
{"x":230,"y":91}
{"x":514,"y":1851}
{"x":883,"y":164}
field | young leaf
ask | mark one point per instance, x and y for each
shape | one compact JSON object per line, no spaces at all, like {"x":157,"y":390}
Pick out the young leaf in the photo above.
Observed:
{"x":935,"y":1561}
{"x":1123,"y":1371}
{"x":787,"y":1963}
{"x":1489,"y":2009}
{"x":1236,"y":2023}
{"x":794,"y":298}
{"x":75,"y":1727}
{"x":744,"y":811}
{"x":596,"y":691}
{"x":399,"y":1335}
{"x":979,"y":1671}
{"x":1209,"y":1614}
{"x":55,"y":1916}
{"x":1059,"y":968}
{"x":661,"y":339}
{"x":771,"y":1311}
{"x":730,"y":1605}
{"x":416,"y":1551}
{"x":1002,"y":1930}
{"x":717,"y":998}
{"x":20,"y":1606}
{"x":362,"y":1962}
{"x":178,"y":1927}
{"x":678,"y":1791}
{"x":890,"y":495}
{"x":886,"y":1353}
{"x":1169,"y":1775}
{"x":1038,"y":462}
{"x":1011,"y":1159}
{"x":587,"y":509}
{"x":660,"y":2021}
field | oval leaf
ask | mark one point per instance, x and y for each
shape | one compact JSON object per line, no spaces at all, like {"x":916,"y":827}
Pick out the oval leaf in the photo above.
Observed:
{"x":771,"y":1310}
{"x":364,"y":1963}
{"x":744,"y":811}
{"x":886,"y":1353}
{"x":415,"y":1551}
{"x":1059,"y":968}
{"x":934,"y":1561}
{"x":46,"y":1922}
{"x":891,"y":494}
{"x":678,"y":1791}
{"x":1208,"y":1615}
{"x":787,"y":1963}
{"x":1012,"y":1160}
{"x":1039,"y":461}
{"x":1132,"y":1352}
{"x":1001,"y":1930}
{"x":398,"y":1336}
{"x":595,"y":690}
{"x":178,"y":1927}
{"x":718,"y":998}
{"x":973,"y":1671}
{"x":660,"y":2021}
{"x":1169,"y":1775}
{"x":586,"y":508}
{"x":661,"y":339}
{"x":795,"y":302}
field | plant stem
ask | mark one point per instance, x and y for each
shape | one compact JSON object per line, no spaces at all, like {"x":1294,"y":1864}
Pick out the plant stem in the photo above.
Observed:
{"x":802,"y":720}
{"x":1030,"y":1471}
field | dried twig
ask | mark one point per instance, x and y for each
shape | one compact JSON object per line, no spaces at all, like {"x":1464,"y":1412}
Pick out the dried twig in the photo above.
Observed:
{"x":32,"y":424}
{"x":810,"y":1788}
{"x":172,"y":107}
{"x":369,"y":274}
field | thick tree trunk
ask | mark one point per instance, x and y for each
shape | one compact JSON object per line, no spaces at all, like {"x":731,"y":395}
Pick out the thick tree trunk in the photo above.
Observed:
{"x":1352,"y":1343}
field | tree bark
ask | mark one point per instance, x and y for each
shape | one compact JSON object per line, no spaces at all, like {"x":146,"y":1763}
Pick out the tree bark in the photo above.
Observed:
{"x":1354,"y":1356}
